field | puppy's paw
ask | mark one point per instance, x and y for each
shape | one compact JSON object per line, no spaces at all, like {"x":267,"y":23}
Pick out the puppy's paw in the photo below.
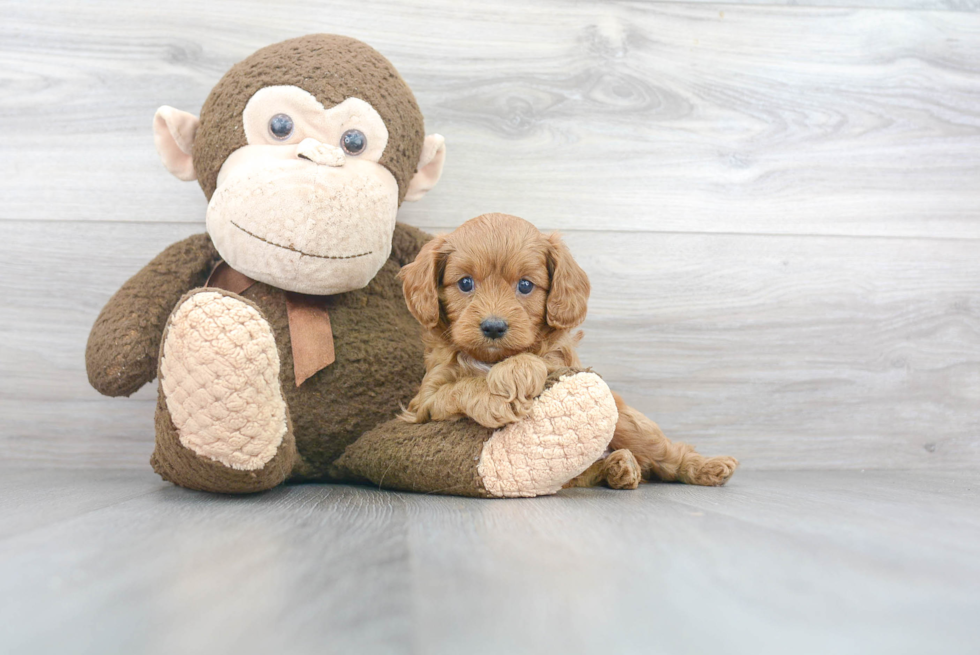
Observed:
{"x":497,"y":412}
{"x":409,"y":416}
{"x":715,"y":471}
{"x":621,"y":470}
{"x":519,"y":379}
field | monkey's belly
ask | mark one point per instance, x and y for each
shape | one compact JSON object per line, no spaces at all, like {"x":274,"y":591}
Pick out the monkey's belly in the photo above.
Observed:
{"x":378,"y":368}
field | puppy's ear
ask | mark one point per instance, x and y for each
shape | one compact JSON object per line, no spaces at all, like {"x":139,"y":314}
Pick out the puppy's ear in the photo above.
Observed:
{"x":421,"y":279}
{"x":568,"y":298}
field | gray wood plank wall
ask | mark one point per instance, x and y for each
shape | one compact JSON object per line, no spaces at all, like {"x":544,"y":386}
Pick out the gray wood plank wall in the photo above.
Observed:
{"x":779,"y":206}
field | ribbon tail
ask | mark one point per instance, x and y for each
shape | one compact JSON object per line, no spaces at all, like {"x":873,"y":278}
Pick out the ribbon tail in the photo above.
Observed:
{"x":310,"y":334}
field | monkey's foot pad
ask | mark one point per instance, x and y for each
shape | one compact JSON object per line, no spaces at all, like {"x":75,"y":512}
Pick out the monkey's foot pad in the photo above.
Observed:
{"x":219,"y":371}
{"x":568,"y":428}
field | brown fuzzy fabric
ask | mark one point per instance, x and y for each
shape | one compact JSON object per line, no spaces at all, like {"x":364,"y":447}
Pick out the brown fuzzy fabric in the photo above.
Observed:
{"x":333,"y":69}
{"x":182,"y":466}
{"x":439,"y":457}
{"x":123,"y":346}
{"x":377,"y":370}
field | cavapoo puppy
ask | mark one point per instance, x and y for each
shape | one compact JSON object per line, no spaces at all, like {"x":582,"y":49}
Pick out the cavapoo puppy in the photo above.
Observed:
{"x":499,"y":301}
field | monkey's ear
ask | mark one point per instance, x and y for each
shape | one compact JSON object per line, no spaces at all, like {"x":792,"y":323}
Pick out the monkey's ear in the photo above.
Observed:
{"x":568,"y":298}
{"x":173,"y":134}
{"x":421,"y":279}
{"x":430,"y":167}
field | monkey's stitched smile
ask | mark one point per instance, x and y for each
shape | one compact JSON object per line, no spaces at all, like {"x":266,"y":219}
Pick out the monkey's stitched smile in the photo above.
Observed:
{"x":296,"y":250}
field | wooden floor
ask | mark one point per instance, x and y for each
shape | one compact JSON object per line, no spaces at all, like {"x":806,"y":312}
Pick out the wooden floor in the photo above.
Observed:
{"x":777,"y":562}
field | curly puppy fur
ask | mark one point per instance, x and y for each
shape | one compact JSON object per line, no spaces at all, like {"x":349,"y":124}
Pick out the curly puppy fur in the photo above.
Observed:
{"x":491,"y":343}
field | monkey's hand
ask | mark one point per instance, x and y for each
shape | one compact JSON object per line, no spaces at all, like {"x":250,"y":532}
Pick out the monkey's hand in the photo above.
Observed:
{"x":518,"y":380}
{"x":124,"y":345}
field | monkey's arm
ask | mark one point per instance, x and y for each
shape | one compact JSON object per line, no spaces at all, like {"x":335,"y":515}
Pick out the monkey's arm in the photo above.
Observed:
{"x":123,"y":347}
{"x":406,"y":243}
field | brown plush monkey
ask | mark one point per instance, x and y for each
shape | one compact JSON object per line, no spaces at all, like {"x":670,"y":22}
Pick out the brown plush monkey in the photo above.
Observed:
{"x":281,"y":336}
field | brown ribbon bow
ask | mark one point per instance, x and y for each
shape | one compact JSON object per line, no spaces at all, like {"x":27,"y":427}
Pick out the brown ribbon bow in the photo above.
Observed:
{"x":309,"y":322}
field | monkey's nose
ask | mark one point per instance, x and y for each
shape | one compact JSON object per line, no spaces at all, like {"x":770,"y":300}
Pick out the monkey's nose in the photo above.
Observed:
{"x":320,"y":153}
{"x":493,"y":327}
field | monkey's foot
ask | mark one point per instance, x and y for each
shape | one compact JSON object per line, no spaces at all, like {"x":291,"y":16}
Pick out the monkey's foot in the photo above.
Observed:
{"x":568,"y":428}
{"x":221,"y":398}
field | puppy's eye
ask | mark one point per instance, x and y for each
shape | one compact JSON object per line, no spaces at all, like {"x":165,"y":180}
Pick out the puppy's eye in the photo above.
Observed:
{"x":353,"y":142}
{"x":281,"y":127}
{"x":525,"y":287}
{"x":465,"y":285}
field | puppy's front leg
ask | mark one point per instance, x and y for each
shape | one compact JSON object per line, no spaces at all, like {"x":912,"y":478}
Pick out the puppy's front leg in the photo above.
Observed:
{"x":519,"y":379}
{"x":504,"y":396}
{"x":465,"y":397}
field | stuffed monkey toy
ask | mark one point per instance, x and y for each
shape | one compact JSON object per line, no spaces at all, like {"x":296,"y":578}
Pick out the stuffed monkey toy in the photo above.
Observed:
{"x":280,"y":338}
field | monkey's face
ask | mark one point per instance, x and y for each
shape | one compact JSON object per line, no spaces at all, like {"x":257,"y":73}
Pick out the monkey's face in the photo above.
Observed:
{"x":305,"y":150}
{"x":305,"y":206}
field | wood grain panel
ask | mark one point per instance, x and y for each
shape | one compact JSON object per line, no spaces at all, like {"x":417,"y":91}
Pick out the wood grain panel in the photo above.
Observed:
{"x":925,"y":5}
{"x":627,"y":116}
{"x":785,"y":351}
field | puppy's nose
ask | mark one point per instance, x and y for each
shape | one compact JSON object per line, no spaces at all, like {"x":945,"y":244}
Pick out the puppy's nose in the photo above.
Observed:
{"x":493,"y":327}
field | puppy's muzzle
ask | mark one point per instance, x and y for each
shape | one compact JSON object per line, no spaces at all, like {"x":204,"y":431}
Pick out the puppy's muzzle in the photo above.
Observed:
{"x":494,"y":327}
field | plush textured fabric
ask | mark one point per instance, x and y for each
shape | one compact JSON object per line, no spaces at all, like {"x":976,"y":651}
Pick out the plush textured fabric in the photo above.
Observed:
{"x":123,"y":346}
{"x":309,"y":322}
{"x":569,"y":427}
{"x":377,"y":369}
{"x":341,"y":68}
{"x":219,"y":372}
{"x":321,"y":126}
{"x":439,"y":457}
{"x":182,"y":466}
{"x":175,"y":462}
{"x":300,"y":249}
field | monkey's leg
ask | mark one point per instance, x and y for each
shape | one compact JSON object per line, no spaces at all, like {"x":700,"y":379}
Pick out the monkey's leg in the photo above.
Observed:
{"x":222,"y":423}
{"x":568,"y":428}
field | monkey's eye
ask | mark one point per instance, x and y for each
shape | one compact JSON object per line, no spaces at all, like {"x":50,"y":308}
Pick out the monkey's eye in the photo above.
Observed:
{"x":466,"y":284}
{"x":353,"y":142}
{"x":281,"y":127}
{"x":525,"y":287}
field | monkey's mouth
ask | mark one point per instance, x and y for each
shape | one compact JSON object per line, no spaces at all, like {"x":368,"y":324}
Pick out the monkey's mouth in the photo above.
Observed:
{"x":297,"y":250}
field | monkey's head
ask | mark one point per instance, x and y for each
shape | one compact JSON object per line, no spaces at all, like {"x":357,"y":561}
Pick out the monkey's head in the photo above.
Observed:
{"x":305,"y":151}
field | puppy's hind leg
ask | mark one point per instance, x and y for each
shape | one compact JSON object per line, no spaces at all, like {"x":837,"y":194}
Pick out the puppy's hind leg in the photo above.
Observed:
{"x":618,"y":470}
{"x":622,"y":470}
{"x":662,"y":459}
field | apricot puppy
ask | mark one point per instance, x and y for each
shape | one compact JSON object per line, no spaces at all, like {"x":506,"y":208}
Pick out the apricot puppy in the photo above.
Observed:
{"x":499,"y":301}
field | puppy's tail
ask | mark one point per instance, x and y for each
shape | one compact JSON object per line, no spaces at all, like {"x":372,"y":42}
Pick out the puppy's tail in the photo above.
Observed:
{"x":662,"y":459}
